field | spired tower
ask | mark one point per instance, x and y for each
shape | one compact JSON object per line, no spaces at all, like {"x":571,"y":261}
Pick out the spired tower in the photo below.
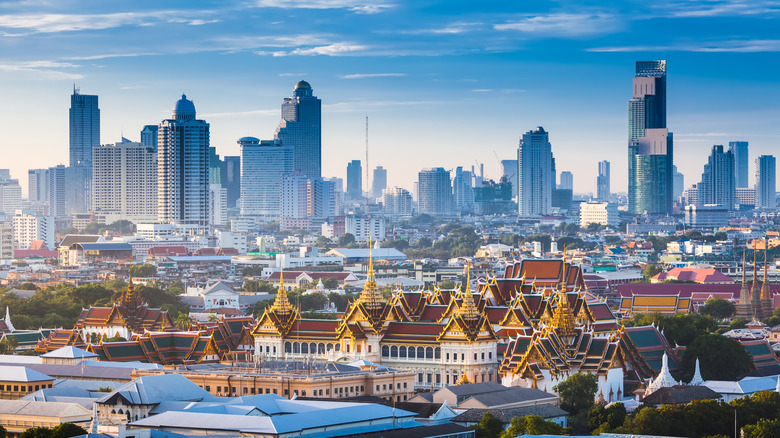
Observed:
{"x":767,"y":309}
{"x":745,"y":306}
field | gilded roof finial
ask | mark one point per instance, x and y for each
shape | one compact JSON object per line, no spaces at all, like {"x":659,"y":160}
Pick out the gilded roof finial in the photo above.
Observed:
{"x":371,"y":297}
{"x":468,"y":310}
{"x":282,"y":304}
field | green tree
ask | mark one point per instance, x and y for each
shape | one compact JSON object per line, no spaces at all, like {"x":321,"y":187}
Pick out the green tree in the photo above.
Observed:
{"x":488,"y":427}
{"x":323,"y":242}
{"x":765,"y":428}
{"x":531,"y":425}
{"x":36,"y":432}
{"x":399,"y":244}
{"x":651,"y":270}
{"x":606,"y":419}
{"x":423,"y":242}
{"x":8,"y":345}
{"x":183,"y":321}
{"x":345,"y":240}
{"x":3,"y":432}
{"x":577,"y":392}
{"x":251,"y":286}
{"x":720,"y":358}
{"x":544,"y":239}
{"x":421,"y":219}
{"x":67,"y":430}
{"x":145,"y":270}
{"x":330,"y":283}
{"x":718,"y":308}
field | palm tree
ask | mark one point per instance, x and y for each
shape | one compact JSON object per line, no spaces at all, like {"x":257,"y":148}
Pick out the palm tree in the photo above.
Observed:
{"x":183,"y":321}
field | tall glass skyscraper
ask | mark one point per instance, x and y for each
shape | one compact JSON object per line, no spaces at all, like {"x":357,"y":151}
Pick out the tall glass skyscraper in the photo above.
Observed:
{"x":84,"y":127}
{"x":650,"y":146}
{"x":602,"y":182}
{"x":354,"y":179}
{"x":264,"y":164}
{"x":434,"y":191}
{"x":740,"y":151}
{"x":183,"y":167}
{"x":766,"y":182}
{"x":536,"y":173}
{"x":717,"y":182}
{"x":301,"y":129}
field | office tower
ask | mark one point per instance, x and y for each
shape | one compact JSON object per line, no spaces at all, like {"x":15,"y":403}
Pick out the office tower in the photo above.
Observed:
{"x":434,"y":191}
{"x":379,"y":181}
{"x":57,"y":201}
{"x":363,"y":228}
{"x":462,"y":190}
{"x":124,"y":182}
{"x":84,"y":127}
{"x":717,"y":181}
{"x":10,"y":193}
{"x":602,"y":182}
{"x":397,"y":201}
{"x":740,"y":151}
{"x":354,"y":180}
{"x":678,"y":184}
{"x":650,"y":145}
{"x":231,"y":178}
{"x":536,"y":179}
{"x":217,"y":205}
{"x":509,"y":171}
{"x":322,"y":200}
{"x":766,"y":188}
{"x":215,"y":167}
{"x":301,"y":129}
{"x":567,"y":181}
{"x":149,"y":137}
{"x":38,"y":185}
{"x":29,"y":227}
{"x":263,"y":165}
{"x":183,"y":167}
{"x":304,"y":197}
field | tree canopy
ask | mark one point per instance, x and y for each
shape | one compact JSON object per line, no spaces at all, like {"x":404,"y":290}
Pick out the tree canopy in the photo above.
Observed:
{"x":577,"y":393}
{"x":720,"y":358}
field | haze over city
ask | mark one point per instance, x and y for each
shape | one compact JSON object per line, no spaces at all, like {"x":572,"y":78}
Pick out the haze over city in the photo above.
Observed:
{"x":447,"y":83}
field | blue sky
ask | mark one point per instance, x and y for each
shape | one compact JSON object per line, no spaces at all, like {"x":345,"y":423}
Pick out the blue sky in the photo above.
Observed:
{"x":444,"y":83}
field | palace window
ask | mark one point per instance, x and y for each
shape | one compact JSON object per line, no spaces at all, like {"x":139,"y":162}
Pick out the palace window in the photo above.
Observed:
{"x":402,"y":352}
{"x":394,"y":351}
{"x":385,"y":351}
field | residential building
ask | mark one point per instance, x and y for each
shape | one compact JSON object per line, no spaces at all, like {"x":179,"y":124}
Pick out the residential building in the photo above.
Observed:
{"x":149,"y":137}
{"x":124,"y":182}
{"x":678,"y":183}
{"x":766,"y":187}
{"x":397,"y":201}
{"x":602,"y":213}
{"x":363,"y":228}
{"x":218,"y":206}
{"x":536,"y":179}
{"x":509,"y":171}
{"x":379,"y":182}
{"x":6,"y":240}
{"x":706,"y":216}
{"x":434,"y":191}
{"x":354,"y":180}
{"x":567,"y":181}
{"x":183,"y":168}
{"x":603,"y":182}
{"x":650,"y":176}
{"x":10,"y":193}
{"x":745,"y":196}
{"x":264,"y":164}
{"x":29,"y":227}
{"x":231,"y":178}
{"x":740,"y":151}
{"x":717,"y":182}
{"x":462,"y":190}
{"x":301,"y":129}
{"x":38,"y":185}
{"x":84,"y":127}
{"x":305,"y":198}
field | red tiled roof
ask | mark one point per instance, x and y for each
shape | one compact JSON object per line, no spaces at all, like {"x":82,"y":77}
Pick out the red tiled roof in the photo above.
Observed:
{"x":698,"y":275}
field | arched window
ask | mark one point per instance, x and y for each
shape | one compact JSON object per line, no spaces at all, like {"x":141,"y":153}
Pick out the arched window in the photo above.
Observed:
{"x":420,"y":352}
{"x":402,"y":352}
{"x":429,"y":353}
{"x":305,"y":348}
{"x":321,"y":348}
{"x":338,"y":347}
{"x":330,"y":347}
{"x":296,"y":348}
{"x":437,"y":353}
{"x":385,"y":351}
{"x":393,"y":351}
{"x":312,"y":347}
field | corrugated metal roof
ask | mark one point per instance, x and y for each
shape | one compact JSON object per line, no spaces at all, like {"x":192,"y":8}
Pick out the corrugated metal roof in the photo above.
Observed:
{"x":11,"y":373}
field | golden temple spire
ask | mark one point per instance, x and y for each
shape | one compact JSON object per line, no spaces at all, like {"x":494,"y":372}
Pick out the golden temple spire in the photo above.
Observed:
{"x":766,"y":293}
{"x":468,"y":310}
{"x":563,"y":317}
{"x":371,"y":297}
{"x":281,"y":304}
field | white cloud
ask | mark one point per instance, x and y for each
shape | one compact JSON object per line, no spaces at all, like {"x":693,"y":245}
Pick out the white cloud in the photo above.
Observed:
{"x":562,"y":24}
{"x":361,"y":7}
{"x":716,"y":8}
{"x":736,"y":46}
{"x":336,"y":49}
{"x":48,"y":70}
{"x":372,"y":75}
{"x":50,"y":23}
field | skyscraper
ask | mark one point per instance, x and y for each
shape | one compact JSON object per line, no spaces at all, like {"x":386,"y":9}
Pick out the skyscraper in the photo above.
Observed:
{"x":509,"y":170}
{"x":717,"y":180}
{"x":354,"y":180}
{"x":301,"y":129}
{"x":567,"y":181}
{"x":678,"y":184}
{"x":183,"y":167}
{"x":84,"y":127}
{"x":10,"y":193}
{"x":536,"y":179}
{"x":462,"y":189}
{"x":231,"y":178}
{"x":263,"y":165}
{"x":740,"y":151}
{"x":766,"y":187}
{"x":650,"y":145}
{"x":434,"y":191}
{"x":602,"y":182}
{"x":124,"y":181}
{"x":379,"y":182}
{"x":149,"y":136}
{"x":38,"y":185}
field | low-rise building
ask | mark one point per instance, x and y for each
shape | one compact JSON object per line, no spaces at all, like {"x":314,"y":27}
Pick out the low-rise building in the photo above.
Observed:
{"x":18,"y":381}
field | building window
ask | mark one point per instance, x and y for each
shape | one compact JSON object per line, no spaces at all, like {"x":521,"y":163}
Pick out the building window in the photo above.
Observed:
{"x":361,"y":388}
{"x":483,"y":355}
{"x":402,"y":352}
{"x":475,"y":356}
{"x":385,"y":351}
{"x":437,"y":353}
{"x":463,"y":357}
{"x":246,"y":390}
{"x":420,"y":377}
{"x":377,"y":388}
{"x":208,"y":388}
{"x":219,"y":389}
{"x":429,"y":353}
{"x":490,"y":355}
{"x":447,"y":356}
{"x":404,"y":385}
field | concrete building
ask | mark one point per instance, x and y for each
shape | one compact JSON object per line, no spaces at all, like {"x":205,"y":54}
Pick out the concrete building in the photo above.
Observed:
{"x":567,"y":181}
{"x":678,"y":183}
{"x":149,"y":137}
{"x":602,"y":213}
{"x":717,"y":184}
{"x":706,"y":216}
{"x":434,"y":191}
{"x":740,"y":151}
{"x":218,"y":206}
{"x":364,"y":228}
{"x":536,"y":173}
{"x":745,"y":196}
{"x":29,"y":227}
{"x":264,"y":164}
{"x":766,"y":187}
{"x":509,"y":171}
{"x":462,"y":190}
{"x":603,"y":190}
{"x":183,"y":167}
{"x":38,"y":185}
{"x":301,"y":129}
{"x":379,"y":182}
{"x":397,"y":201}
{"x":10,"y":193}
{"x":231,"y":178}
{"x":354,"y":180}
{"x":124,"y":182}
{"x":84,"y":127}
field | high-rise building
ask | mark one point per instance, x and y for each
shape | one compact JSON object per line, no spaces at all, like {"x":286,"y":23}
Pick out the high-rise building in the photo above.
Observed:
{"x":766,"y":188}
{"x":38,"y":185}
{"x":650,"y":145}
{"x":397,"y":201}
{"x":183,"y":167}
{"x":57,"y":192}
{"x":231,"y":178}
{"x":603,"y":192}
{"x":740,"y":151}
{"x":217,"y":205}
{"x":678,"y":184}
{"x":84,"y":127}
{"x":379,"y":181}
{"x":313,"y":198}
{"x":567,"y":181}
{"x":301,"y":129}
{"x":509,"y":171}
{"x":10,"y":193}
{"x":434,"y":191}
{"x":354,"y":180}
{"x":263,"y":166}
{"x":536,"y":173}
{"x":717,"y":180}
{"x":215,"y":167}
{"x":462,"y":190}
{"x":124,"y":181}
{"x":149,"y":137}
{"x":29,"y":227}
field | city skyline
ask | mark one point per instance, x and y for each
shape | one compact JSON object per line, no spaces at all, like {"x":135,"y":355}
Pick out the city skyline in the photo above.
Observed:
{"x":440,"y":72}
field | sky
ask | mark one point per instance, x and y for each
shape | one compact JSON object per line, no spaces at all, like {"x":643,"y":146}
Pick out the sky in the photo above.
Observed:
{"x":443,"y":83}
